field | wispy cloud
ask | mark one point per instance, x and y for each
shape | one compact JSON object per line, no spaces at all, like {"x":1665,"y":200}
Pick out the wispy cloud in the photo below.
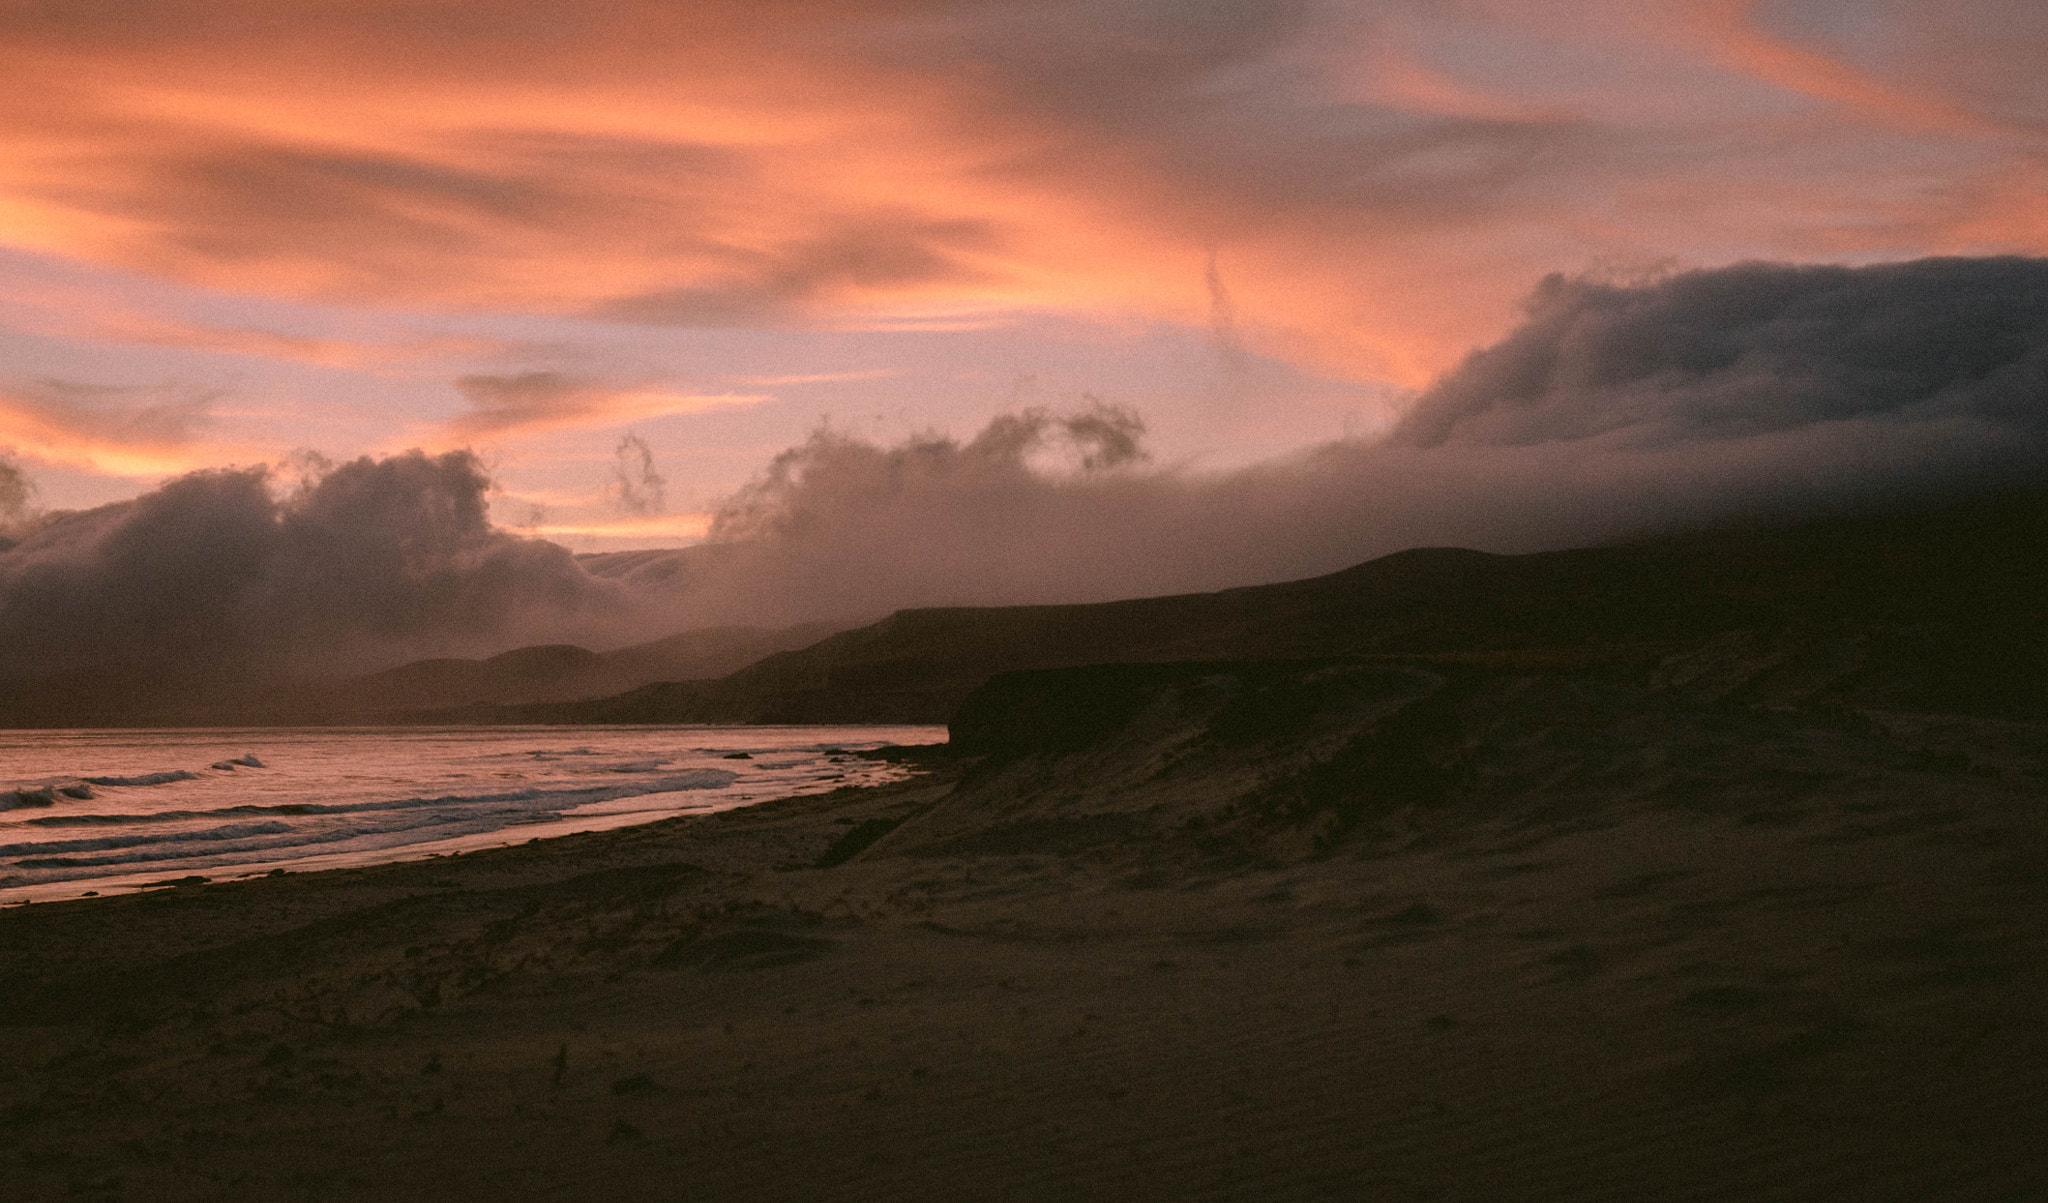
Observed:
{"x":358,"y":354}
{"x":530,"y":402}
{"x":1378,"y":181}
{"x":57,"y":300}
{"x":815,"y":378}
{"x":637,"y":488}
{"x":120,"y":432}
{"x":1734,"y":28}
{"x":662,"y":528}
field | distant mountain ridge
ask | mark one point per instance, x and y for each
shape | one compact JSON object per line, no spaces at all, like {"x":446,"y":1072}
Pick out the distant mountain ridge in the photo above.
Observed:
{"x":1936,"y":607}
{"x":1932,"y":607}
{"x":547,"y":673}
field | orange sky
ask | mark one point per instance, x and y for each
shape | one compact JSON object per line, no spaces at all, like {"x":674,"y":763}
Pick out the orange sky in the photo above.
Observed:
{"x":234,"y":228}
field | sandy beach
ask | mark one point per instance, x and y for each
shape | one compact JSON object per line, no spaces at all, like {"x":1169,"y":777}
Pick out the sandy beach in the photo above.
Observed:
{"x":1620,"y":948}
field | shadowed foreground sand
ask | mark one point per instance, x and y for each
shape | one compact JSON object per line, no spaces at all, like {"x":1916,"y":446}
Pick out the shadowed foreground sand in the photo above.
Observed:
{"x":1471,"y":939}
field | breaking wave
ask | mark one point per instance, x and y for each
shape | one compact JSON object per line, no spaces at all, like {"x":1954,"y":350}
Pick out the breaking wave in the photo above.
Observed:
{"x":344,"y":797}
{"x":526,"y":805}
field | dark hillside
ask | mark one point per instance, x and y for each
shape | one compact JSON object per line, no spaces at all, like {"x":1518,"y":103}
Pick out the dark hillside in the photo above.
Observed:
{"x":1940,"y":608}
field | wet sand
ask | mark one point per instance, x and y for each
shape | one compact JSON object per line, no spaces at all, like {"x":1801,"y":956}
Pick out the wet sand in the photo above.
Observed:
{"x":1635,"y":950}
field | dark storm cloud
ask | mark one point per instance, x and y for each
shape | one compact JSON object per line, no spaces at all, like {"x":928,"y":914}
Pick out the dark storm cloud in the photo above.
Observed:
{"x":212,"y":574}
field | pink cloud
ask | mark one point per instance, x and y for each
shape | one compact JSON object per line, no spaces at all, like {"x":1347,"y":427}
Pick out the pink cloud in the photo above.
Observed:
{"x":503,"y":406}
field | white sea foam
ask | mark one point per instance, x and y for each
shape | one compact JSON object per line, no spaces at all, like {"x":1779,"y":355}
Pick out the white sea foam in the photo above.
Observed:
{"x":144,"y":778}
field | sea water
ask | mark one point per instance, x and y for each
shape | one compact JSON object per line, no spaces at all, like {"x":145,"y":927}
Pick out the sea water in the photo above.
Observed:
{"x":107,"y":811}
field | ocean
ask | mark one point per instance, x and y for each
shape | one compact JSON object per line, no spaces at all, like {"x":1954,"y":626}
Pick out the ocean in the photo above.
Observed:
{"x":102,"y":811}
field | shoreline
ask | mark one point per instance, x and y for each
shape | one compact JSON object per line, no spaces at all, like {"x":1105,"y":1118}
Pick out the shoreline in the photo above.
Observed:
{"x":125,"y":885}
{"x":604,"y":814}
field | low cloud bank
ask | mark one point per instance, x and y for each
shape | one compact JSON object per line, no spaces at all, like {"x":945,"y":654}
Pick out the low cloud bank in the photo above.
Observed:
{"x":1614,"y":410}
{"x":1759,"y":349}
{"x":216,"y":575}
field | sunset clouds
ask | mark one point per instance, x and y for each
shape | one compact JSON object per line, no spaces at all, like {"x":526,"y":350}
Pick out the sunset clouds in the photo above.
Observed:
{"x":1755,"y":392}
{"x":533,"y":226}
{"x":1752,"y":392}
{"x":539,"y":401}
{"x":115,"y":431}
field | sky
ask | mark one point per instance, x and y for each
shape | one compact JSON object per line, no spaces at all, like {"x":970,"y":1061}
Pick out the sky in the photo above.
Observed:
{"x":333,"y":331}
{"x":629,"y":252}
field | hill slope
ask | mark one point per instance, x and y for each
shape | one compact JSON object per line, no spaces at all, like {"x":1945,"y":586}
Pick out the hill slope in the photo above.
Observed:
{"x":1937,"y":608}
{"x":527,"y":675}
